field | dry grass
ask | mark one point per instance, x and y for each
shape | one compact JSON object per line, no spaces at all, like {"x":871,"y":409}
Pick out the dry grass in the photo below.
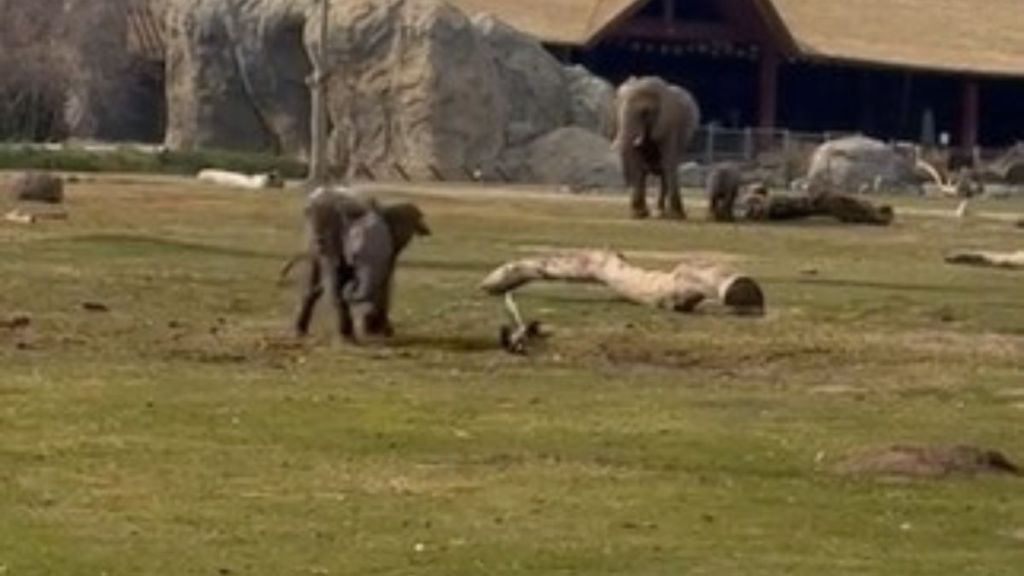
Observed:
{"x":184,"y":431}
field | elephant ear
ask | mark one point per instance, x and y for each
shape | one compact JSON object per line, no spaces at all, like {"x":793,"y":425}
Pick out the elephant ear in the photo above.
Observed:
{"x":670,"y":113}
{"x":681,"y":109}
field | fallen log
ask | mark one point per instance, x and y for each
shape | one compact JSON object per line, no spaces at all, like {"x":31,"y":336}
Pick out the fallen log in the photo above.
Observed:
{"x":20,"y":216}
{"x":240,"y":180}
{"x":679,"y":290}
{"x":761,"y":206}
{"x":1012,"y":260}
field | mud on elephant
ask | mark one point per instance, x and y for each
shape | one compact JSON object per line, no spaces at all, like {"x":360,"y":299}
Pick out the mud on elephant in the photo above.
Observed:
{"x":654,"y":123}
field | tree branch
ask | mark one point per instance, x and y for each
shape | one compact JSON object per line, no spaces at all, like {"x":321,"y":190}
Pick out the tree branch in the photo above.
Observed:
{"x":680,"y":290}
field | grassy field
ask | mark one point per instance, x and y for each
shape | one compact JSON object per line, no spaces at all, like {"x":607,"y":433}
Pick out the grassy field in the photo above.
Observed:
{"x":185,"y":432}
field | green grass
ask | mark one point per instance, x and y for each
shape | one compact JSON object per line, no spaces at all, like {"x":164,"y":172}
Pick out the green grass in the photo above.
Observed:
{"x":135,"y":161}
{"x":185,"y":432}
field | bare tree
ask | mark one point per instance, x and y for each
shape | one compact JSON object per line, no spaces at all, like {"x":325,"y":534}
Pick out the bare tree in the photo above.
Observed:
{"x":65,"y":66}
{"x":31,"y":63}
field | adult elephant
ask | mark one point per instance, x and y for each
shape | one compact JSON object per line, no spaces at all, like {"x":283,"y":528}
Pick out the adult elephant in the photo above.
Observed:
{"x":654,"y":123}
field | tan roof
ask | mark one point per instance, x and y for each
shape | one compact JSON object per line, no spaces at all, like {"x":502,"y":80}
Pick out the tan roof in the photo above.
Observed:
{"x":974,"y":36}
{"x":571,"y":22}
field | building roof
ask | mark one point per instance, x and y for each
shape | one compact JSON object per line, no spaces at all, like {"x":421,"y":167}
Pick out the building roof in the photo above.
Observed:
{"x":983,"y":37}
{"x":971,"y":36}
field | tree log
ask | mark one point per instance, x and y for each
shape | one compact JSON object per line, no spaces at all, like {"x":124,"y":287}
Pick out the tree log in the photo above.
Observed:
{"x":680,"y":290}
{"x":1013,"y":260}
{"x":760,"y":206}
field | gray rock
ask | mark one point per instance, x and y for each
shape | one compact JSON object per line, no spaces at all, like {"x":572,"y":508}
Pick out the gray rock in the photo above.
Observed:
{"x":36,"y":187}
{"x":536,"y":93}
{"x":398,"y":72}
{"x":412,"y":83}
{"x":592,"y":101}
{"x":572,"y":157}
{"x":236,"y":76}
{"x":857,"y":164}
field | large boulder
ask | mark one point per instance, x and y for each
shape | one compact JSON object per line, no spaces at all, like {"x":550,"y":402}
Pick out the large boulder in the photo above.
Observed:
{"x":415,"y":88}
{"x":397,"y":76}
{"x":592,"y":101}
{"x":236,"y":75}
{"x":412,"y":83}
{"x":536,"y":94}
{"x":856,"y":164}
{"x":573,"y":157}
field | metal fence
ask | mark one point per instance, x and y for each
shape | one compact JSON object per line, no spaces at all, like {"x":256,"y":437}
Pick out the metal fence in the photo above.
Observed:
{"x":786,"y":154}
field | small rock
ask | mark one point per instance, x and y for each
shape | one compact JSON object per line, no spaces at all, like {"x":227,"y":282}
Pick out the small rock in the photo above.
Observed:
{"x":95,"y":307}
{"x":37,"y":187}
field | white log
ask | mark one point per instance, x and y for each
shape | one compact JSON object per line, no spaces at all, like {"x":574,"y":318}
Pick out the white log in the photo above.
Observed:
{"x":239,"y":180}
{"x":985,"y":258}
{"x":680,"y":290}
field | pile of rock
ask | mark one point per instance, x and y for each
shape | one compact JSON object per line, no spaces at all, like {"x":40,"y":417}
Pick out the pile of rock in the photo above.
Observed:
{"x":858,"y":164}
{"x":415,"y":84}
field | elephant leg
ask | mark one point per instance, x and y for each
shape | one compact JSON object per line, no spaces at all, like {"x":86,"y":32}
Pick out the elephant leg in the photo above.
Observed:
{"x":638,"y":204}
{"x":312,"y":291}
{"x":670,"y":189}
{"x":379,"y":322}
{"x":337,"y":276}
{"x":636,"y":176}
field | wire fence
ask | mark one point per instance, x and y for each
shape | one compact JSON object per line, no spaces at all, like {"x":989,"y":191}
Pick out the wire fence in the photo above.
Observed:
{"x":786,"y":154}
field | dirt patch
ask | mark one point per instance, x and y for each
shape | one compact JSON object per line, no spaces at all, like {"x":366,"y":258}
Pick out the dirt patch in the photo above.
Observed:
{"x":648,"y":356}
{"x":927,"y":461}
{"x":15,"y":322}
{"x":949,"y":343}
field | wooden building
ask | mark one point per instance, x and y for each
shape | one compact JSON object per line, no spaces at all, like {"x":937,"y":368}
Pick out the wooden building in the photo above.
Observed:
{"x":907,"y":69}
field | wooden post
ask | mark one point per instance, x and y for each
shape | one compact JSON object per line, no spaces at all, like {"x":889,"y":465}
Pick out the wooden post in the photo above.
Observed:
{"x":768,"y":88}
{"x":969,"y":114}
{"x":318,"y":104}
{"x":709,"y":144}
{"x":787,"y":161}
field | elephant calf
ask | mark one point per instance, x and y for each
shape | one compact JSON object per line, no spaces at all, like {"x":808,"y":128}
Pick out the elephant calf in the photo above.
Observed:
{"x":353,"y":249}
{"x":654,"y":124}
{"x":723,"y":187}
